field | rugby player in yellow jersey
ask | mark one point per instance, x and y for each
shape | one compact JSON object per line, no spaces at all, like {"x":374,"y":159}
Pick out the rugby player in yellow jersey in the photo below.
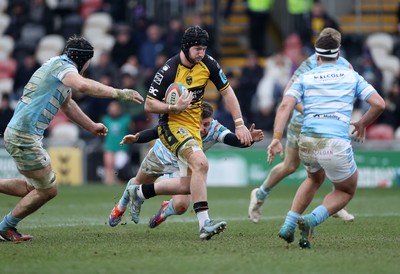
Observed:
{"x":179,"y":124}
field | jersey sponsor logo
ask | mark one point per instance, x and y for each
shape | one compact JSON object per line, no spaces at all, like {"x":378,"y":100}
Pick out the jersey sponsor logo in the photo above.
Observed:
{"x":197,"y":93}
{"x":324,"y":151}
{"x":189,"y":80}
{"x":165,"y":68}
{"x":328,"y":76}
{"x":331,"y":116}
{"x":222,"y":76}
{"x":182,"y":131}
{"x":335,"y":115}
{"x":158,"y":78}
{"x":153,"y":91}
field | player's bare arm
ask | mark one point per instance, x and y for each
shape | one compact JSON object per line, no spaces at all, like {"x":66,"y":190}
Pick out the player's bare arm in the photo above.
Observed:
{"x":377,"y":107}
{"x":232,"y":104}
{"x":281,"y":118}
{"x":299,"y":107}
{"x":129,"y":139}
{"x":143,"y":136}
{"x":97,"y":89}
{"x":73,"y":112}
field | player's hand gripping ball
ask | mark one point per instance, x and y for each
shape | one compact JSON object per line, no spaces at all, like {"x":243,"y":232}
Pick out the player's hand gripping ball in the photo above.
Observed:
{"x":174,"y":91}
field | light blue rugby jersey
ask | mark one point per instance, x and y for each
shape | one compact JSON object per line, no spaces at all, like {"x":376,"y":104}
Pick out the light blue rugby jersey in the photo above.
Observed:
{"x":328,"y":93}
{"x":309,"y":64}
{"x":42,"y":97}
{"x":216,"y":133}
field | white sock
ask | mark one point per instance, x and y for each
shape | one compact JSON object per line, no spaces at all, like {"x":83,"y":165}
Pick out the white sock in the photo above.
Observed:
{"x":139,"y":192}
{"x":202,"y":216}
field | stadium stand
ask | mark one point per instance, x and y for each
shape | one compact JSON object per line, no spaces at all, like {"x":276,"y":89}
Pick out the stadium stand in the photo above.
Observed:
{"x":3,"y":5}
{"x":4,"y":22}
{"x":101,"y":20}
{"x":6,"y":46}
{"x":8,"y":65}
{"x":95,"y":20}
{"x":381,"y":46}
{"x":96,"y":29}
{"x":49,"y":46}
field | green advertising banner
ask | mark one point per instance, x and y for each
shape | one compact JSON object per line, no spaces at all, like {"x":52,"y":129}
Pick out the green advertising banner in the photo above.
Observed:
{"x":8,"y":169}
{"x":378,"y":168}
{"x":240,"y":167}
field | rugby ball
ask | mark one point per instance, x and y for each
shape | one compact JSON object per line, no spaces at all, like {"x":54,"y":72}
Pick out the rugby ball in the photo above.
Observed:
{"x":174,"y":91}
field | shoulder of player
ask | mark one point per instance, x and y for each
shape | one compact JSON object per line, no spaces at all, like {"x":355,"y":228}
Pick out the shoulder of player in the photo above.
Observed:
{"x":214,"y":124}
{"x":343,"y":60}
{"x":218,"y":127}
{"x":210,"y":62}
{"x":170,"y":66}
{"x":174,"y":60}
{"x":166,"y":73}
{"x":62,"y":60}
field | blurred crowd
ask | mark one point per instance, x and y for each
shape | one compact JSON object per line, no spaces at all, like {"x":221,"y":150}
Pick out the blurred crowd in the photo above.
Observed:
{"x":259,"y":86}
{"x":141,"y":45}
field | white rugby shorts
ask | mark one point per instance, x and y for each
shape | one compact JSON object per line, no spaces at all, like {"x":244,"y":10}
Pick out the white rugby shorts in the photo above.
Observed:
{"x":335,"y":156}
{"x":292,"y":135}
{"x":153,"y":166}
{"x":26,"y":149}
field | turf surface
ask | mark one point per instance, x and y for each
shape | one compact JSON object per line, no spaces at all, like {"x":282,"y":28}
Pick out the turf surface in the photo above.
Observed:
{"x":71,"y":235}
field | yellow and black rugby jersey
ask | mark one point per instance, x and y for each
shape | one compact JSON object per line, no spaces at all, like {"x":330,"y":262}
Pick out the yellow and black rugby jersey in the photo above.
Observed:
{"x":195,"y":79}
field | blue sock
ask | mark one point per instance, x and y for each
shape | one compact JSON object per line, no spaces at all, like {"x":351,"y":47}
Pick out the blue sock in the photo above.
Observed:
{"x":291,"y":219}
{"x":169,"y":210}
{"x":124,"y":201}
{"x":320,"y":213}
{"x":9,"y":222}
{"x":262,"y":193}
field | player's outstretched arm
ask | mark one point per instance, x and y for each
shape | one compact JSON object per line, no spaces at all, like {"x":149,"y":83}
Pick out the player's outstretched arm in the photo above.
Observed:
{"x":256,"y":134}
{"x":143,"y":136}
{"x":97,"y":89}
{"x":232,"y":140}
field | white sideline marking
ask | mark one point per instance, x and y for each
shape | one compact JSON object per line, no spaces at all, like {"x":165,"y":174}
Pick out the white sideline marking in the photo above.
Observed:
{"x":180,"y":219}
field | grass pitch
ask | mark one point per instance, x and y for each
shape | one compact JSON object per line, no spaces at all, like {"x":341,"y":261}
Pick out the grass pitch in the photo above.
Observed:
{"x":71,"y":235}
